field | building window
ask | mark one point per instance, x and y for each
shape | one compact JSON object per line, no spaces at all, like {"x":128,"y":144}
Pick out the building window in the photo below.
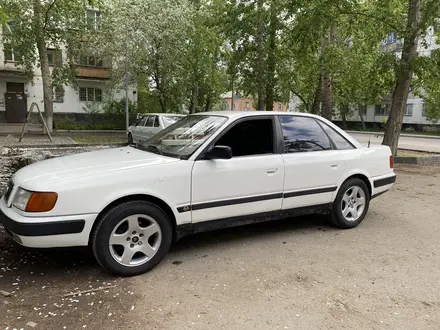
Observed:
{"x":58,"y":94}
{"x":424,"y":110}
{"x":88,"y":94}
{"x":409,"y":110}
{"x":93,"y":19}
{"x":248,"y":105}
{"x":10,"y":55}
{"x":280,"y":107}
{"x":382,"y":109}
{"x":90,"y":61}
{"x":391,"y":38}
{"x":54,"y":57}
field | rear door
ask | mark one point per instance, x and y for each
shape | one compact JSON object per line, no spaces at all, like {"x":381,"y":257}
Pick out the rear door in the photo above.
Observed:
{"x":313,"y":166}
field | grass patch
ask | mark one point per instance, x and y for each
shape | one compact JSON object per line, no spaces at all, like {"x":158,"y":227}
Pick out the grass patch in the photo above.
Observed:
{"x":86,"y":139}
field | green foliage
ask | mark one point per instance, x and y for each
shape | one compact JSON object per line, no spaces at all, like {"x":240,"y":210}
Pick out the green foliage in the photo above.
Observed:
{"x":63,"y":26}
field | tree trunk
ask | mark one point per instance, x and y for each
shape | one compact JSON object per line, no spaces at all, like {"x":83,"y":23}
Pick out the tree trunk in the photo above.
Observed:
{"x":361,"y":114}
{"x":193,"y":101}
{"x":327,"y":83}
{"x":208,"y":104}
{"x":344,"y":121}
{"x":271,"y":59}
{"x":316,"y":106}
{"x":44,"y":63}
{"x":261,"y":48}
{"x":404,"y":76}
{"x":233,"y":92}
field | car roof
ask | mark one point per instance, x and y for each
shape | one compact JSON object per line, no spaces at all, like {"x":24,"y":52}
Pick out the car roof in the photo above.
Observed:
{"x":238,"y":114}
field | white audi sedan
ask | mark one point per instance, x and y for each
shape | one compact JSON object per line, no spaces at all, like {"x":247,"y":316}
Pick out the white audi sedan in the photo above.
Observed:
{"x":204,"y":172}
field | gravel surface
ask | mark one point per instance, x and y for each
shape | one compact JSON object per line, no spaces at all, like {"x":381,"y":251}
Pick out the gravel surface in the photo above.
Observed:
{"x":293,"y":274}
{"x":10,"y":140}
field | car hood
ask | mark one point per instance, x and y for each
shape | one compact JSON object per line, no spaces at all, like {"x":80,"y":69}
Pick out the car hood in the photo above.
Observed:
{"x":88,"y":164}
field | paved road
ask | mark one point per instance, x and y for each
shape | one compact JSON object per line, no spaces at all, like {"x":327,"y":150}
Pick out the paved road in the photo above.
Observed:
{"x":294,"y":274}
{"x":405,"y":142}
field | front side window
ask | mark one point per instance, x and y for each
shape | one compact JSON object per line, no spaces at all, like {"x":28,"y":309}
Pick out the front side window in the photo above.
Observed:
{"x":142,"y":122}
{"x":302,"y":134}
{"x":150,"y":121}
{"x":184,"y":137}
{"x":249,"y":137}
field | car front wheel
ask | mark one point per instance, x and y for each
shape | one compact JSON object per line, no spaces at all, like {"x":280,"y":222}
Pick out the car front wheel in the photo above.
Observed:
{"x":351,"y":204}
{"x":132,"y":238}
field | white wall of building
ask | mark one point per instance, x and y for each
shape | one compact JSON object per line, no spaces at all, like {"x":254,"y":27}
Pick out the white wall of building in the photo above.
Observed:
{"x":34,"y":89}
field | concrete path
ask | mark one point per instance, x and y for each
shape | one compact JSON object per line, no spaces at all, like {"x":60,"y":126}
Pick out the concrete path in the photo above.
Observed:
{"x":418,"y":143}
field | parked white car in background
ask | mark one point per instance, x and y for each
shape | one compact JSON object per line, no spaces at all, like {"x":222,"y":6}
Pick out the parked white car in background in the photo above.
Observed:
{"x":204,"y":172}
{"x":149,"y":124}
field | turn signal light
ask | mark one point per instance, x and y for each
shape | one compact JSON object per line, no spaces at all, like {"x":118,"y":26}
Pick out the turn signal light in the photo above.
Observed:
{"x":41,"y":202}
{"x":391,"y":162}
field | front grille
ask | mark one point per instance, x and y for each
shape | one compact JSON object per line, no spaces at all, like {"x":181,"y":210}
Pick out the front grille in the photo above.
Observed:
{"x":9,"y":191}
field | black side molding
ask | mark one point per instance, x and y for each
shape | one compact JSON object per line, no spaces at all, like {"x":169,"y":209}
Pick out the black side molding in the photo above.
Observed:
{"x":42,"y":228}
{"x":227,"y":202}
{"x":252,"y":199}
{"x":309,"y":192}
{"x":384,"y":181}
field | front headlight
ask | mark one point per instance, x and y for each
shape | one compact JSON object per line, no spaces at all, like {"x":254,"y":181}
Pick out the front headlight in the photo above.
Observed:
{"x":34,"y":201}
{"x":21,"y":199}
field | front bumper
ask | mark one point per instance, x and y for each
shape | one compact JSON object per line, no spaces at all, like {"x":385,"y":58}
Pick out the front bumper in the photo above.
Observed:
{"x":44,"y":232}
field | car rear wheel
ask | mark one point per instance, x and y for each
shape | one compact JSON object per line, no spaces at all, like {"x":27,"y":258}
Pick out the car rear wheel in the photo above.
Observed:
{"x":130,"y":138}
{"x":132,"y":238}
{"x":351,"y":204}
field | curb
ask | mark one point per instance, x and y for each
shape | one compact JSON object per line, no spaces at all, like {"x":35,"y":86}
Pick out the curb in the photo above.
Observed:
{"x":76,"y":145}
{"x":427,"y":160}
{"x":404,"y":135}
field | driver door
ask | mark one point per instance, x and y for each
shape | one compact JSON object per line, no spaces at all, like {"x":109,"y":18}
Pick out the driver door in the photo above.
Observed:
{"x":249,"y":183}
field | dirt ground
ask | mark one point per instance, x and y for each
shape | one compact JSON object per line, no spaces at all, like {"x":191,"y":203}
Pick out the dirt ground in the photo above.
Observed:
{"x":293,"y":274}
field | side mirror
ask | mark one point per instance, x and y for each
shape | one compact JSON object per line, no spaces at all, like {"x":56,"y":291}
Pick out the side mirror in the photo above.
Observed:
{"x":219,"y":152}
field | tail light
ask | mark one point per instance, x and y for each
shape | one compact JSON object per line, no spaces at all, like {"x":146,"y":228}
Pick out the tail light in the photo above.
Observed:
{"x":391,"y":162}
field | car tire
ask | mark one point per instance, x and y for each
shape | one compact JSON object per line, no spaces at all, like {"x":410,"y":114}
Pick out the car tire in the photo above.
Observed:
{"x":351,"y":204}
{"x":130,"y":138}
{"x":132,"y":238}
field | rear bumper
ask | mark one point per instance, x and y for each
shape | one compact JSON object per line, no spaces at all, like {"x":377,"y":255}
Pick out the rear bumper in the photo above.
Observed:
{"x":48,"y":231}
{"x":382,"y":184}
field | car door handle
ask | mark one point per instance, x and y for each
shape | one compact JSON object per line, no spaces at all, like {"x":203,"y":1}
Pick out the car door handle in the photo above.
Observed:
{"x":335,"y":165}
{"x":271,"y":170}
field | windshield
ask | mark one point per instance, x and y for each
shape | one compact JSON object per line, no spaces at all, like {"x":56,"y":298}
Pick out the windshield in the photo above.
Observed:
{"x":169,"y":120}
{"x":184,"y":137}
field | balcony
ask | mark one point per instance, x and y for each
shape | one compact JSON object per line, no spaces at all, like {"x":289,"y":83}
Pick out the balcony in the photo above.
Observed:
{"x":10,"y":70}
{"x":92,"y":72}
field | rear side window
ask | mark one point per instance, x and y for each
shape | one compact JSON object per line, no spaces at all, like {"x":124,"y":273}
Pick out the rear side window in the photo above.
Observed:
{"x":339,"y":141}
{"x":303,"y":134}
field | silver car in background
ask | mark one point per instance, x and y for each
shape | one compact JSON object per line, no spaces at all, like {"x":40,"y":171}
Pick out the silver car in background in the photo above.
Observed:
{"x":149,"y":124}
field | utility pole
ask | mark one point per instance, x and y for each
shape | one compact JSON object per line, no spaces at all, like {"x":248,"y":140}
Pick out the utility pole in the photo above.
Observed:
{"x":127,"y":115}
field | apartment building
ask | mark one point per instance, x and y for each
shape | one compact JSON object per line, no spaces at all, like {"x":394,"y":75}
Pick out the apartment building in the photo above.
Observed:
{"x":378,"y":113}
{"x":247,"y":103}
{"x":17,"y":92}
